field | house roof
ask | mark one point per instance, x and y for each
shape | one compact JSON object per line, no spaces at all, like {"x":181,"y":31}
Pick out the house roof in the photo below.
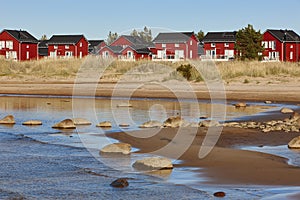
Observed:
{"x":22,"y":36}
{"x":174,"y":37}
{"x":139,"y":49}
{"x":94,"y":43}
{"x":137,"y":41}
{"x":284,"y":35}
{"x":43,"y":47}
{"x":65,"y":39}
{"x":220,"y":37}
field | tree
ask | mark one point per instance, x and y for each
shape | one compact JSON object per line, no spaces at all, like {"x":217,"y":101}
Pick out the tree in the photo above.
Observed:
{"x":111,"y":37}
{"x":44,"y":37}
{"x":200,"y":35}
{"x":146,"y":34}
{"x":249,"y":43}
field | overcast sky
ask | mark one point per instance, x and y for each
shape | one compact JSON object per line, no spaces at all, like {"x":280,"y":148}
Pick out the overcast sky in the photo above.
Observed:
{"x":95,"y":18}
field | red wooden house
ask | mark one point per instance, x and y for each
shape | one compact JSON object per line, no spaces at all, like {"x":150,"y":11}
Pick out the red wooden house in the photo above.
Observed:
{"x":128,"y":47}
{"x":281,"y":45}
{"x":68,"y":46}
{"x":18,"y":45}
{"x":220,"y":45}
{"x":175,"y":46}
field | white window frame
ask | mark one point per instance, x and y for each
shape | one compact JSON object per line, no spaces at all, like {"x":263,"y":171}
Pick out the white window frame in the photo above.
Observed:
{"x":213,"y":44}
{"x":176,"y":45}
{"x":27,"y":55}
{"x":2,"y":44}
{"x":80,"y":44}
{"x":67,"y":46}
{"x":191,"y":42}
{"x":55,"y":46}
{"x":9,"y":44}
{"x":265,"y":44}
{"x":191,"y":54}
{"x":226,"y":44}
{"x":292,"y":46}
{"x":291,"y":55}
{"x":163,"y":45}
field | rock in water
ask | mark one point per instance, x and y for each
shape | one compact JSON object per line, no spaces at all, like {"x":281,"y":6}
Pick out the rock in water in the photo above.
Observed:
{"x":117,"y":148}
{"x":219,"y":194}
{"x":174,"y":122}
{"x":209,"y":123}
{"x":81,"y":121}
{"x":240,"y":105}
{"x":65,"y":124}
{"x":268,"y":102}
{"x":128,"y":105}
{"x":32,"y":123}
{"x":294,"y":143}
{"x":9,"y":119}
{"x":151,"y":124}
{"x":120,"y":183}
{"x":286,"y":111}
{"x":105,"y":124}
{"x":155,"y":163}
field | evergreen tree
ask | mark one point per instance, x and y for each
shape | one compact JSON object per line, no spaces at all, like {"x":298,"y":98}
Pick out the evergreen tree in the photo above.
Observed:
{"x":44,"y":37}
{"x":200,"y":35}
{"x":146,"y":34}
{"x":249,"y":43}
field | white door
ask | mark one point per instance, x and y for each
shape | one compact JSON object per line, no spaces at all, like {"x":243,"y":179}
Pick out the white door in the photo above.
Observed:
{"x":80,"y":54}
{"x":161,"y":54}
{"x":179,"y":54}
{"x":229,"y":53}
{"x":27,"y":55}
{"x":191,"y":54}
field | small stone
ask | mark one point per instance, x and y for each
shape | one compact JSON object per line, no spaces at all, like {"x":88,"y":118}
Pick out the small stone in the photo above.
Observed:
{"x":268,"y":102}
{"x":209,"y":123}
{"x":124,"y":105}
{"x":117,"y":148}
{"x":65,"y":124}
{"x":9,"y":119}
{"x":174,"y":122}
{"x":151,"y":124}
{"x":120,"y":183}
{"x":240,"y":105}
{"x":219,"y":194}
{"x":124,"y":125}
{"x":294,"y":143}
{"x":286,"y":111}
{"x":105,"y":124}
{"x":32,"y":123}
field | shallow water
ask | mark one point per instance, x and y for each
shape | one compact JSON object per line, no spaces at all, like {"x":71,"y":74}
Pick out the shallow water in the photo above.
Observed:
{"x":56,"y":144}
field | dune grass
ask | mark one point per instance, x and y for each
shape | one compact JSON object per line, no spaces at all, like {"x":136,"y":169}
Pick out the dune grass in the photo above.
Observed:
{"x":66,"y":69}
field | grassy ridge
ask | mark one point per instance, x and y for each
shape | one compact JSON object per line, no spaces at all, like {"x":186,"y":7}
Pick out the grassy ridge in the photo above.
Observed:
{"x":67,"y":69}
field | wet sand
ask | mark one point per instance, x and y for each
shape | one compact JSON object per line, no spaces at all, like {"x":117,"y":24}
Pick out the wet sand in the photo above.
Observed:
{"x":226,"y":164}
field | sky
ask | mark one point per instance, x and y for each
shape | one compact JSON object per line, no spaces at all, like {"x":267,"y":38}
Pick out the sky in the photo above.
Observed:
{"x":95,"y":18}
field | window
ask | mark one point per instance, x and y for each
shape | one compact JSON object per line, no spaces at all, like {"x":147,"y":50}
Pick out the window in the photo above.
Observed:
{"x":80,"y":45}
{"x":265,"y":44}
{"x":226,"y":45}
{"x":69,"y":54}
{"x":272,"y":45}
{"x":191,"y":54}
{"x":27,"y":46}
{"x":55,"y":47}
{"x":191,"y":42}
{"x":213,"y":45}
{"x":9,"y":44}
{"x":27,"y":55}
{"x":291,"y":55}
{"x":292,"y":46}
{"x":2,"y":44}
{"x":176,"y":45}
{"x":163,"y":45}
{"x":67,"y":46}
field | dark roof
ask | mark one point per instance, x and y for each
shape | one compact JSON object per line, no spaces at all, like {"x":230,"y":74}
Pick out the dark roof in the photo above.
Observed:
{"x":220,"y":37}
{"x":94,"y":43}
{"x":140,"y":49}
{"x":22,"y":36}
{"x":175,"y":37}
{"x":43,"y":47}
{"x":115,"y":49}
{"x":65,"y":39}
{"x":284,"y":35}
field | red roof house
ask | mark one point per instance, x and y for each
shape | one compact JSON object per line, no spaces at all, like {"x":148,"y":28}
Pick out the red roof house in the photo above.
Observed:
{"x":127,"y":47}
{"x":18,"y":45}
{"x":175,"y":46}
{"x":220,"y":45}
{"x":281,"y":45}
{"x":68,"y":46}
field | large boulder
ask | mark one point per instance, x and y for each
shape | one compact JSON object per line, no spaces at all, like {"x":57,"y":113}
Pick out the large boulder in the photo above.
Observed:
{"x":151,"y":124}
{"x":9,"y":119}
{"x":174,"y":122}
{"x":81,"y":121}
{"x":155,"y":163}
{"x":286,"y":111}
{"x":32,"y":123}
{"x":105,"y":124}
{"x":65,"y":124}
{"x":294,"y":143}
{"x":117,"y":148}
